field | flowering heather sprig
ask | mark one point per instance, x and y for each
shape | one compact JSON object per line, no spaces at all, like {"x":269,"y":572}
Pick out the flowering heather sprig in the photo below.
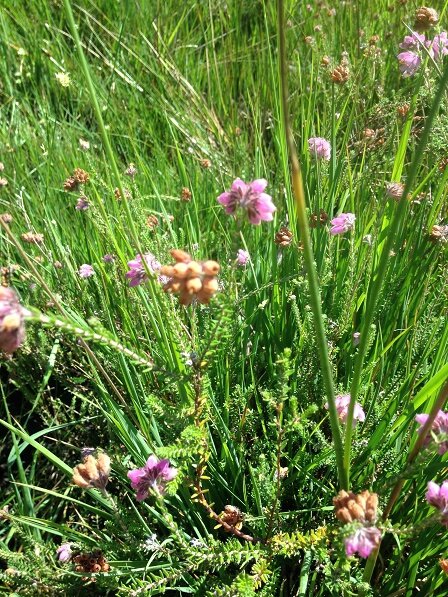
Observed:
{"x":86,"y":271}
{"x":137,"y":273}
{"x":319,"y":148}
{"x":437,"y":496}
{"x":342,"y":402}
{"x":413,"y":41}
{"x":342,"y":223}
{"x":363,"y":541}
{"x":154,"y":476}
{"x":251,"y":198}
{"x":361,"y":508}
{"x":439,"y":430}
{"x":12,"y":324}
{"x":92,"y":472}
{"x":408,"y":63}
{"x":191,"y":279}
{"x":242,"y":257}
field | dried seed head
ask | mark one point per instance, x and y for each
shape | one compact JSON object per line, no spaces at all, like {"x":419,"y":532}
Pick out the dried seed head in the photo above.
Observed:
{"x":403,"y":110}
{"x":439,"y":234}
{"x":58,"y":265}
{"x":131,"y":170}
{"x":92,"y":472}
{"x":6,"y":218}
{"x":322,"y":218}
{"x":340,"y":74}
{"x":81,"y":176}
{"x":185,"y":194}
{"x":394,"y":190}
{"x":117,"y":194}
{"x":325,"y":61}
{"x":232,"y":516}
{"x":71,"y":184}
{"x":425,"y":18}
{"x":205,"y":163}
{"x":284,"y":237}
{"x":350,"y":507}
{"x":152,"y":222}
{"x":32,"y":238}
{"x":444,"y":565}
{"x":190,"y":279}
{"x":443,"y":164}
{"x":211,"y":268}
{"x":3,"y":182}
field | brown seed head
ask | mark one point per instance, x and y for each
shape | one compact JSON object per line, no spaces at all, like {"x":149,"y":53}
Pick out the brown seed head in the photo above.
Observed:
{"x":131,"y":170}
{"x":340,"y":74}
{"x":439,"y":234}
{"x":232,"y":516}
{"x":349,"y":506}
{"x":117,"y":194}
{"x":71,"y":184}
{"x":152,"y":222}
{"x":444,"y":565}
{"x":180,"y":256}
{"x":284,"y":237}
{"x":3,"y":182}
{"x":205,"y":163}
{"x":403,"y":110}
{"x":190,"y":279}
{"x":81,"y":176}
{"x":322,"y":218}
{"x":185,"y":194}
{"x":443,"y":164}
{"x":394,"y":190}
{"x":32,"y":238}
{"x":92,"y":472}
{"x":6,"y":218}
{"x":425,"y":18}
{"x":58,"y":265}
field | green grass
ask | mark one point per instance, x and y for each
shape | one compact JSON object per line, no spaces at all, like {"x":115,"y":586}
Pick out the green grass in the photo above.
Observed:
{"x":104,"y":364}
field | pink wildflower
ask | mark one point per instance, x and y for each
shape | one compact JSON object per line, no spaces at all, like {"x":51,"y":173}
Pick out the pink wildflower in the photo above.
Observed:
{"x":342,"y":403}
{"x":437,"y":496}
{"x":109,"y":258}
{"x":153,"y":476}
{"x":82,"y":204}
{"x":242,"y":257}
{"x":12,"y":326}
{"x":363,"y":541}
{"x":409,"y":63}
{"x":137,"y":272}
{"x":413,"y":41}
{"x":250,"y":197}
{"x":342,"y":223}
{"x":439,"y":46}
{"x":319,"y":148}
{"x":86,"y":270}
{"x":64,"y":553}
{"x":438,"y":428}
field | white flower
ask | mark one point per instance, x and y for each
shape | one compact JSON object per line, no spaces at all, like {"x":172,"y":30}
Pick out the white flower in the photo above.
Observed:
{"x":63,"y":79}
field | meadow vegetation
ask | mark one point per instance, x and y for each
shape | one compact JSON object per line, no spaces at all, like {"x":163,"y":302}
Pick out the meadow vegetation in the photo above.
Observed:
{"x":223,"y":311}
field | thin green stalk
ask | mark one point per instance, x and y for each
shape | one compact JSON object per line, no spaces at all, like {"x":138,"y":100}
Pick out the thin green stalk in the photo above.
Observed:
{"x":315,"y":298}
{"x":381,"y":272}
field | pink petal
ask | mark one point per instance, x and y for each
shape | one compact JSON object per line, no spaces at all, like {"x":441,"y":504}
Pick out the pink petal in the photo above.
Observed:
{"x":240,"y":185}
{"x":259,"y":185}
{"x":223,"y":199}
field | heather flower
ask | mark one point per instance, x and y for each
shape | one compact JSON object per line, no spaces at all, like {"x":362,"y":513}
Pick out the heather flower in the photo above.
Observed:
{"x":439,"y":46}
{"x":137,"y":272}
{"x":12,"y":326}
{"x":109,"y":258}
{"x":154,"y":476}
{"x":394,"y":190}
{"x":413,"y":41}
{"x":250,"y":197}
{"x":131,"y":170}
{"x":243,"y":257}
{"x":342,"y":223}
{"x":86,"y":270}
{"x":6,"y":218}
{"x":319,"y":148}
{"x":64,"y":553}
{"x":437,"y":496}
{"x":439,"y":430}
{"x":82,"y":203}
{"x":409,"y":63}
{"x":342,"y":403}
{"x":362,"y":541}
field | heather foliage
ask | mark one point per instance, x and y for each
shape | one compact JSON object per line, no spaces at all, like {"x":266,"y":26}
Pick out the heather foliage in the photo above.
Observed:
{"x":224,"y":369}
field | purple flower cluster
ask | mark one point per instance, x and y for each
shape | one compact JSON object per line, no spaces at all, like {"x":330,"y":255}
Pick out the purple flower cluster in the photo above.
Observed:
{"x":342,"y":223}
{"x":437,"y":496}
{"x":319,"y":148}
{"x":439,"y":429}
{"x":362,"y":541}
{"x":137,"y":273}
{"x":251,"y":198}
{"x":342,"y":404}
{"x":12,"y":325}
{"x":415,"y":47}
{"x":152,"y":477}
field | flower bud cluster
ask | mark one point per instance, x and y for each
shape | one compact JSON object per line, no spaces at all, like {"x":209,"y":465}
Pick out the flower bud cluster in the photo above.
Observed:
{"x":93,"y":472}
{"x":361,"y":507}
{"x":191,"y":279}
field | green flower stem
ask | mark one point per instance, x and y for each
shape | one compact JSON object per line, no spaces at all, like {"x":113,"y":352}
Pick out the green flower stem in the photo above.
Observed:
{"x":315,"y":299}
{"x":381,"y":272}
{"x":439,"y":403}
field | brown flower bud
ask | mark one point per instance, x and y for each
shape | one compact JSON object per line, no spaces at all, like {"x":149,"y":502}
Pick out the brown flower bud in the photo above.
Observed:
{"x":439,"y":234}
{"x":81,"y":176}
{"x":71,"y":184}
{"x":205,"y":163}
{"x":444,"y":565}
{"x":340,"y":74}
{"x":325,"y":61}
{"x":403,"y":110}
{"x":180,"y":256}
{"x":3,"y":182}
{"x":425,"y":18}
{"x":284,"y":237}
{"x":185,"y":194}
{"x":211,"y":268}
{"x":193,"y":285}
{"x":180,"y":270}
{"x":152,"y":221}
{"x":362,"y":507}
{"x":322,"y":218}
{"x":194,"y":269}
{"x":32,"y":238}
{"x":92,"y":472}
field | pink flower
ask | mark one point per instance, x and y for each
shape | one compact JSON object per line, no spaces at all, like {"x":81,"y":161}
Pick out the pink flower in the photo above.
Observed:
{"x":342,"y":403}
{"x":64,"y":553}
{"x":252,"y":198}
{"x":437,"y":496}
{"x":439,"y":46}
{"x":363,"y":541}
{"x":409,"y":63}
{"x":109,"y":258}
{"x":342,"y":223}
{"x":242,"y":257}
{"x":413,"y":41}
{"x":319,"y":148}
{"x":12,"y":325}
{"x":137,"y":272}
{"x":82,"y":204}
{"x":86,"y":270}
{"x":153,"y":476}
{"x":438,"y":428}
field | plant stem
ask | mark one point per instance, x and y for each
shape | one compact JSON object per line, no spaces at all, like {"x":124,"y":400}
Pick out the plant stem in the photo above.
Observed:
{"x":315,"y":299}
